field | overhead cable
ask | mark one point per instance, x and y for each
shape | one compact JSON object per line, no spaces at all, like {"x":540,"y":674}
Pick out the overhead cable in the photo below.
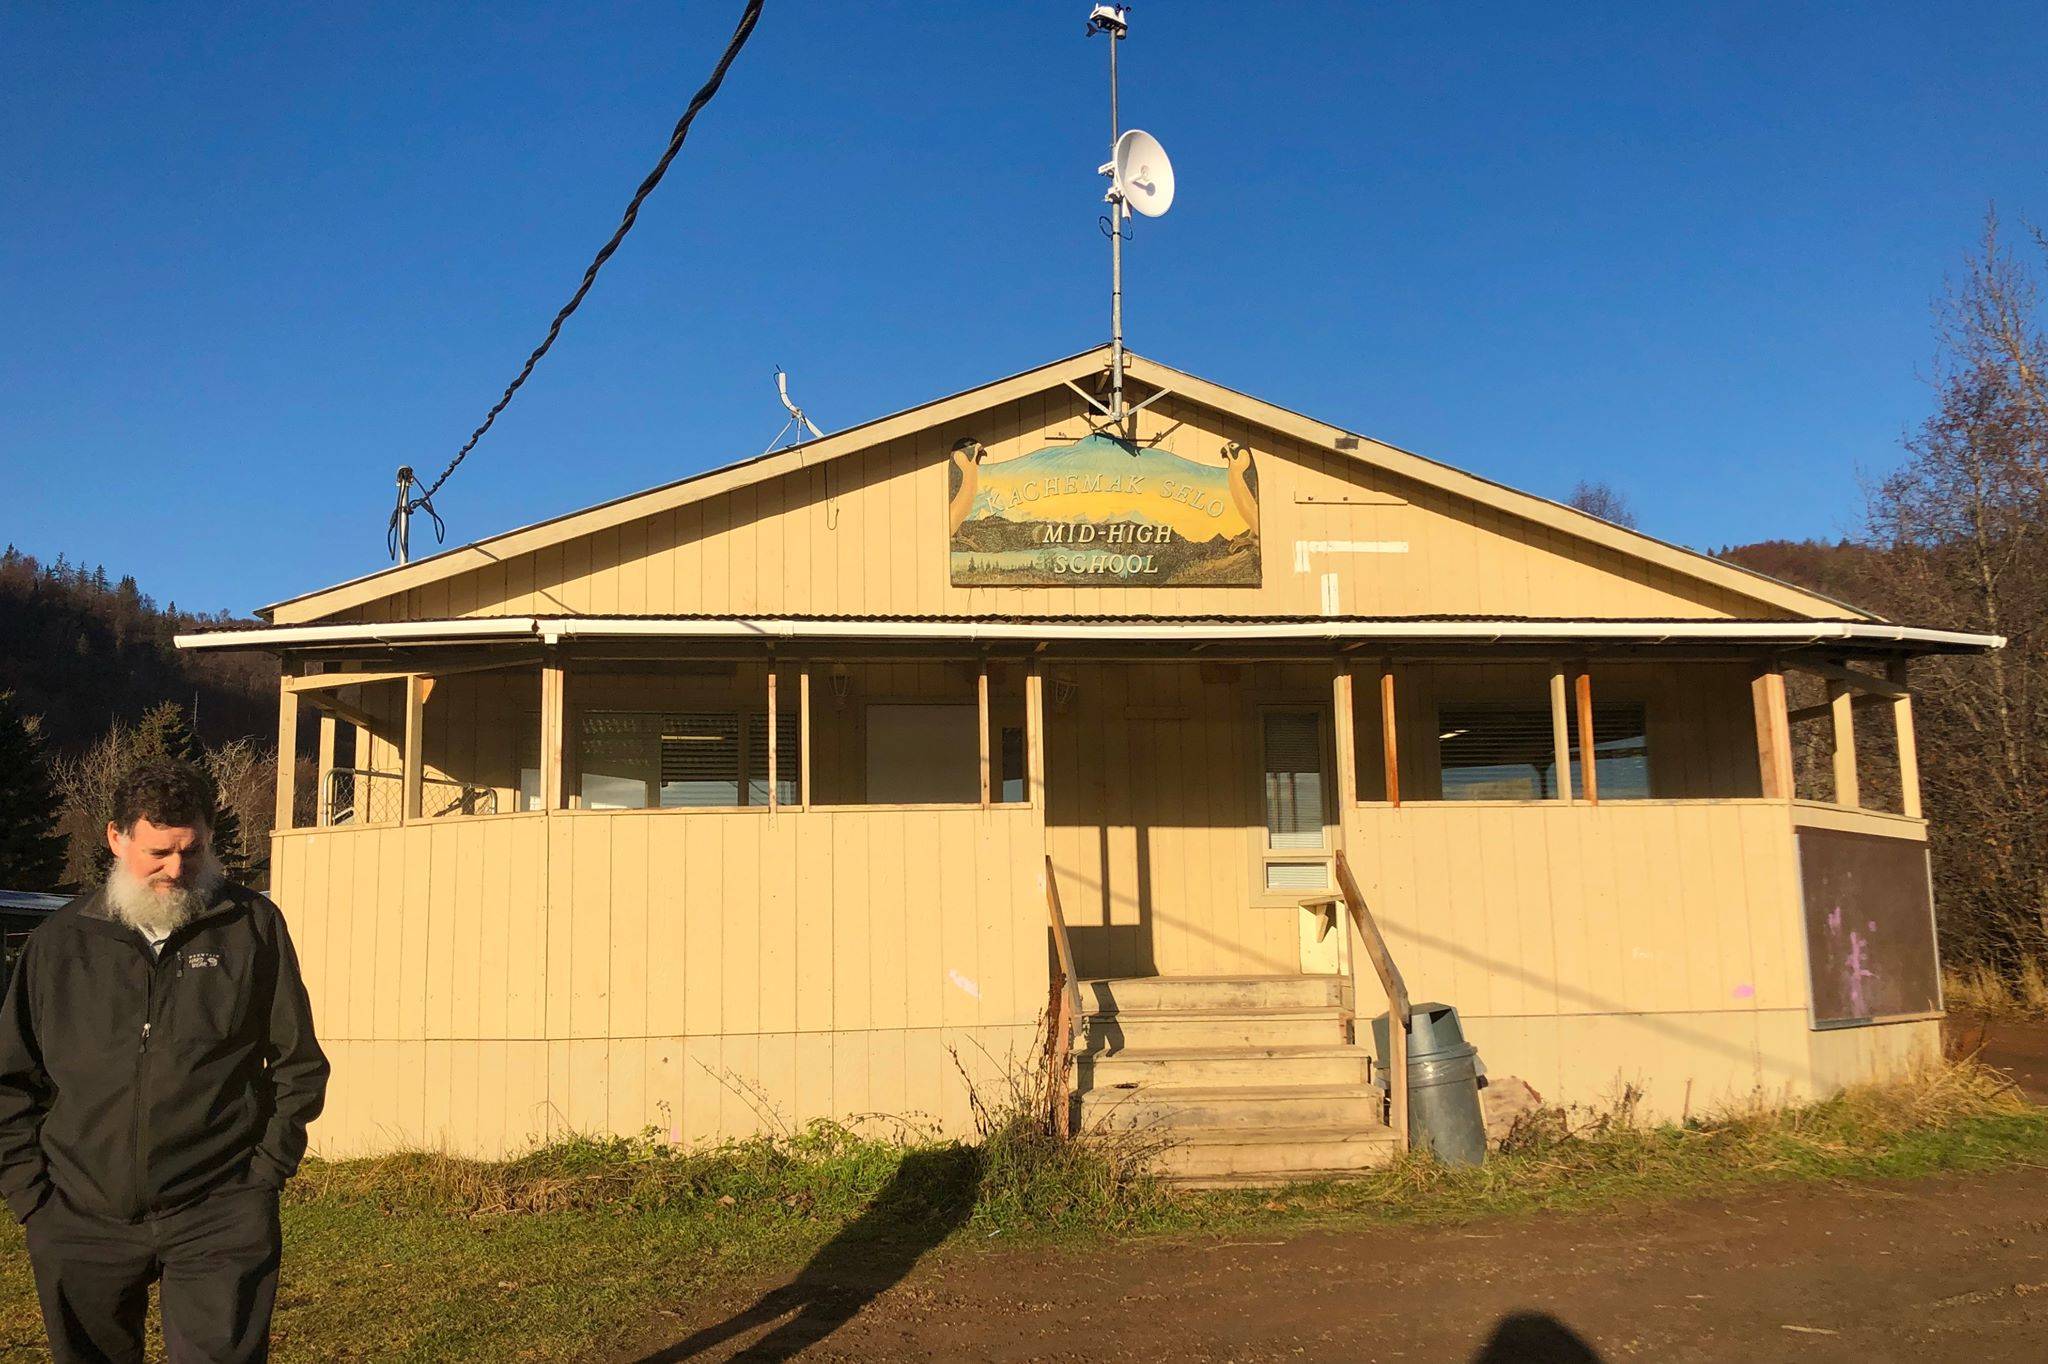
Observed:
{"x":412,"y":503}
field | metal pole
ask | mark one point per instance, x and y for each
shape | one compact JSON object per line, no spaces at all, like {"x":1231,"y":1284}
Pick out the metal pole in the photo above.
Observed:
{"x":404,"y":513}
{"x":1116,"y":259}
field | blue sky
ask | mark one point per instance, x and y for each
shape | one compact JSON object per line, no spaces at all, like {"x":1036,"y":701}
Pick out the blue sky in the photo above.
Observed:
{"x":252,"y":257}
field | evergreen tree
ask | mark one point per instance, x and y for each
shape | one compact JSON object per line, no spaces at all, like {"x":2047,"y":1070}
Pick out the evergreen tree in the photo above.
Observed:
{"x":163,"y":733}
{"x":31,"y":848}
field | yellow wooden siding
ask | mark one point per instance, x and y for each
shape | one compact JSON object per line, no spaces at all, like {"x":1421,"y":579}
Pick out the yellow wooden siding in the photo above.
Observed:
{"x":1653,"y":945}
{"x":866,"y":534}
{"x":487,"y":982}
{"x":1154,"y":817}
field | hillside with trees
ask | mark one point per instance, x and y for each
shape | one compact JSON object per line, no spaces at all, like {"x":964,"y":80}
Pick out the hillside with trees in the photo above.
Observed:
{"x":81,"y":650}
{"x":89,"y":682}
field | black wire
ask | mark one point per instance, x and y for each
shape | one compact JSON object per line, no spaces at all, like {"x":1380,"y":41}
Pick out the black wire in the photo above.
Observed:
{"x":675,"y":144}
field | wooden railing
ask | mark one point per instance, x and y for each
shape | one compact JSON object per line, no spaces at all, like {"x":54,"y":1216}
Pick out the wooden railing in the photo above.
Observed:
{"x":1398,"y":1009}
{"x":1062,"y":1016}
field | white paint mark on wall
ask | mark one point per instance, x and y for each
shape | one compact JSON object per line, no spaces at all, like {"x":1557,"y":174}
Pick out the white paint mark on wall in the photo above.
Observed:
{"x":1330,"y":607}
{"x":1304,"y":548}
{"x":963,"y":984}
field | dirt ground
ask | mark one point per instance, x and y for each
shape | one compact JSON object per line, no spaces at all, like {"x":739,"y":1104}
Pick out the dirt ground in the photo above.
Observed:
{"x":2019,"y":1049}
{"x":1954,"y":1268}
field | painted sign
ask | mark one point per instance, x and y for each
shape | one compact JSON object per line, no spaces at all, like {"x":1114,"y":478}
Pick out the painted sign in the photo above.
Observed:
{"x":1103,"y":513}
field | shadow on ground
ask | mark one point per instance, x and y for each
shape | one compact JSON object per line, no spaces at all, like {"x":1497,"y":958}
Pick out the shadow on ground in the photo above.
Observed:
{"x":1534,"y":1338}
{"x":928,"y":1198}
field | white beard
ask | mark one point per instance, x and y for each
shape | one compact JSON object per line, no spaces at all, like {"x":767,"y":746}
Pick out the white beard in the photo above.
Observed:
{"x":156,"y":913}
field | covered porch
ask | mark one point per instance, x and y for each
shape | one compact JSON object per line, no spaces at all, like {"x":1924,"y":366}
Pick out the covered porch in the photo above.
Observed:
{"x":708,"y":875}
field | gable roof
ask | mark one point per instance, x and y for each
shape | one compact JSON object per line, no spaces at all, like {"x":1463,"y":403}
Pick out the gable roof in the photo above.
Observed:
{"x":1070,"y":370}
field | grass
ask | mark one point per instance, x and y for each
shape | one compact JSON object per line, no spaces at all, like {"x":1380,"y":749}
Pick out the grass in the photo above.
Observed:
{"x":574,"y":1246}
{"x":1980,"y":989}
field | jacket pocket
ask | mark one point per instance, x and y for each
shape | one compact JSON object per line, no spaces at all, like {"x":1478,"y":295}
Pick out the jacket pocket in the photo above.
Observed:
{"x":209,"y":995}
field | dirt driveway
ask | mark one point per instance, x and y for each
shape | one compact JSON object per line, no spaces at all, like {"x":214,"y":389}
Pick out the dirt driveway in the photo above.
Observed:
{"x":1943,"y":1269}
{"x":1946,"y":1269}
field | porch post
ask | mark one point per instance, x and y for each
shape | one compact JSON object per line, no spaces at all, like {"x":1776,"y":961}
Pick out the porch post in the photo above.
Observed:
{"x":1561,"y":733}
{"x":552,"y":691}
{"x":803,"y":736}
{"x":774,"y":802}
{"x":1347,"y":741}
{"x":1842,"y":706}
{"x":1909,"y":745}
{"x":1773,"y":733}
{"x":1034,"y":731}
{"x":981,"y":711}
{"x":412,"y":784}
{"x":1588,"y":772}
{"x":1390,"y":729}
{"x":287,"y":748}
{"x":323,"y":776}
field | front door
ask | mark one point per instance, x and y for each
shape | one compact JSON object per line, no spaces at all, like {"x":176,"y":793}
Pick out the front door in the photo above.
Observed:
{"x":1294,"y":853}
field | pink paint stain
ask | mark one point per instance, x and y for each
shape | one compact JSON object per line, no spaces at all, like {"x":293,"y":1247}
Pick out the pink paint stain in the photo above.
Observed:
{"x":1745,"y":992}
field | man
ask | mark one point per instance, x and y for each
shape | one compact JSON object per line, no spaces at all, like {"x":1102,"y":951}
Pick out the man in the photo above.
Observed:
{"x":157,"y":1072}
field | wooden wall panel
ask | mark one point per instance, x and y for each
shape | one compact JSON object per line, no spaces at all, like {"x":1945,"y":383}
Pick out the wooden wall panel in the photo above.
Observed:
{"x":866,"y":534}
{"x":1649,"y":943}
{"x":1154,"y":820}
{"x":549,"y":974}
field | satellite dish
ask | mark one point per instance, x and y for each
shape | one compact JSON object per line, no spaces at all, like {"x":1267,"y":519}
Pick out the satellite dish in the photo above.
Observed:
{"x":1141,"y":174}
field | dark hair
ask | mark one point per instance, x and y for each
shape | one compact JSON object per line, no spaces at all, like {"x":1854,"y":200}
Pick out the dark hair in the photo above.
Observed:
{"x":163,"y":791}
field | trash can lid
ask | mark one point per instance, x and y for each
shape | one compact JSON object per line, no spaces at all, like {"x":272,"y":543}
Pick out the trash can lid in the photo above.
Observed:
{"x":1432,"y":1028}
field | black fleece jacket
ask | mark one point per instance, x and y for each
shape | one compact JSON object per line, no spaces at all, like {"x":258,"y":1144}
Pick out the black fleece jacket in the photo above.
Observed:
{"x":135,"y":1084}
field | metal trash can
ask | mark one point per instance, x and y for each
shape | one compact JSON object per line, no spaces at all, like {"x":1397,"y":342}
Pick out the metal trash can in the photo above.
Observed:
{"x":1443,"y":1085}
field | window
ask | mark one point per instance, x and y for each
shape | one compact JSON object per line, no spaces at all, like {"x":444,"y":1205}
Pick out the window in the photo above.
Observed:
{"x":618,"y":760}
{"x":1295,"y":795}
{"x":700,"y":760}
{"x":1011,"y":789}
{"x":1294,"y":779}
{"x":1621,"y":751}
{"x":636,"y":760}
{"x":923,"y":754}
{"x":1499,"y":751}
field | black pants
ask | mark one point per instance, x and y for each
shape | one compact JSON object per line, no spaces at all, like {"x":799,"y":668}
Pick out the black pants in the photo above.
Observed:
{"x":217,"y":1259}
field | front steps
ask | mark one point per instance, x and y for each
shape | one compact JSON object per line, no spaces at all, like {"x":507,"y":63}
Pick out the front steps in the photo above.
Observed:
{"x":1249,"y":1080}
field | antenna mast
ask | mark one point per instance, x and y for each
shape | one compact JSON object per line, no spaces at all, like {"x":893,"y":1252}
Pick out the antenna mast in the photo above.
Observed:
{"x":1114,"y":20}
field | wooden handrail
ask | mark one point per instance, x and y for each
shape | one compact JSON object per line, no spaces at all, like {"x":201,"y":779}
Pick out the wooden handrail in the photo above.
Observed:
{"x":1062,"y":1015}
{"x":1398,"y":1009}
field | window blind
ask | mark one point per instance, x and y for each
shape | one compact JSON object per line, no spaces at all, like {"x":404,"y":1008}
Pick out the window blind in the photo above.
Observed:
{"x":700,"y":759}
{"x":1294,"y":779}
{"x":1496,"y":751}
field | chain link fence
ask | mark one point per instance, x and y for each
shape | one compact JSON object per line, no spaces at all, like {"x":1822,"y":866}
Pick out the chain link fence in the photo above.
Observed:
{"x":362,"y":795}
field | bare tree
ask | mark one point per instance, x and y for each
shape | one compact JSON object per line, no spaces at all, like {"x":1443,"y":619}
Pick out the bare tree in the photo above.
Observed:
{"x":245,"y":774}
{"x":1601,"y":500}
{"x":1965,"y":525}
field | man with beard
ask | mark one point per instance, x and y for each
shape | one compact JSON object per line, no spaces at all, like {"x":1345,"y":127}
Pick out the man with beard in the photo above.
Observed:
{"x":157,"y":1072}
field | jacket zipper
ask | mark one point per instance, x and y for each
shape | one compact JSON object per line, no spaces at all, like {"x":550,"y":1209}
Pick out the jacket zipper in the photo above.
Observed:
{"x":141,"y":1093}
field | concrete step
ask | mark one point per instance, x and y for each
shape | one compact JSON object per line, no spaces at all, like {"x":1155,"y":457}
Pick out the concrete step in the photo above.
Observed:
{"x":1274,"y":1155}
{"x":1159,"y":993}
{"x":1181,"y":1111}
{"x":1218,"y":1067}
{"x":1107,"y":1032}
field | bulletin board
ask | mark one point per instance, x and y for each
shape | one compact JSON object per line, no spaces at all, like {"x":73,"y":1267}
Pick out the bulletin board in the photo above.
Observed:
{"x":1870,"y":944}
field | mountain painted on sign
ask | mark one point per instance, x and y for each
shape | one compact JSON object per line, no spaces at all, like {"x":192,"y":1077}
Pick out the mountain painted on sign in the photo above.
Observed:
{"x":1100,"y":512}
